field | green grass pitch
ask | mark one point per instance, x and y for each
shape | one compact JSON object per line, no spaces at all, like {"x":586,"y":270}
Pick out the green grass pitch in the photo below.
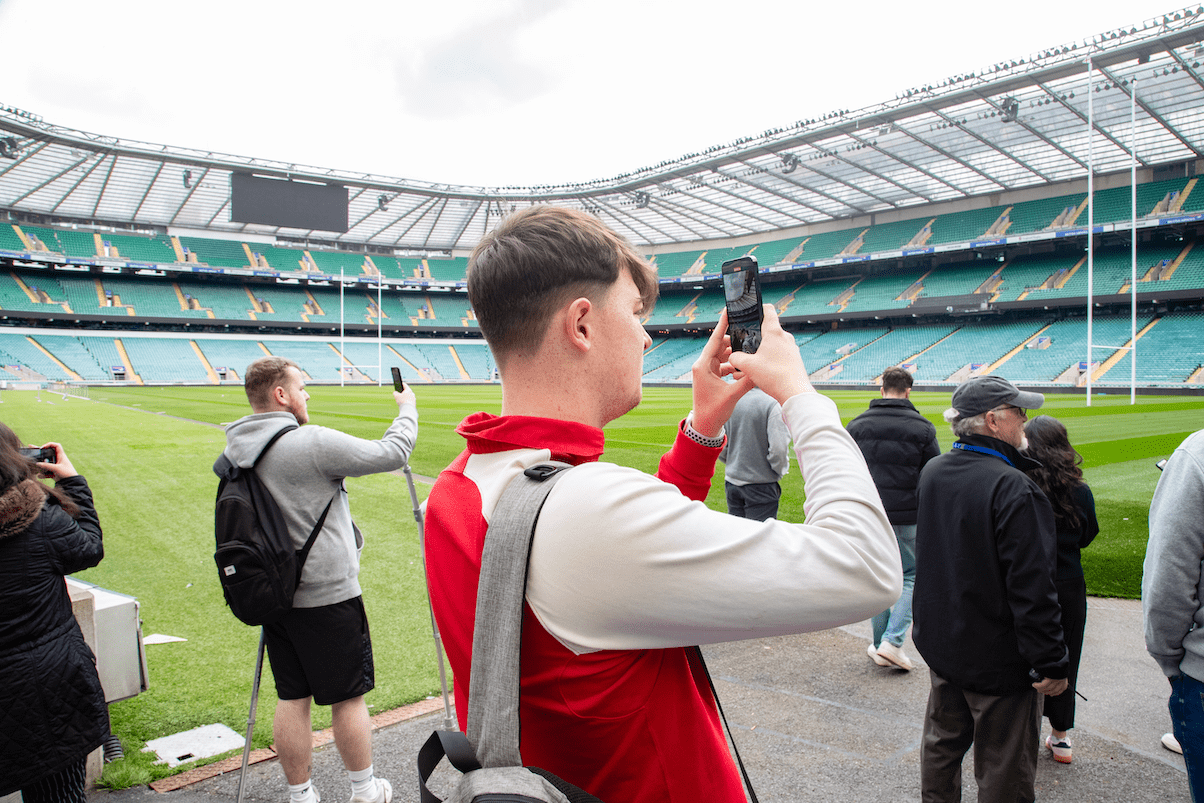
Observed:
{"x":147,"y":453}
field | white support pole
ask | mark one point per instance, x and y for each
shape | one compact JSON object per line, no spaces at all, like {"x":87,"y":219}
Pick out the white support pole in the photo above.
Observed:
{"x":380,"y":341}
{"x":1133,"y":238}
{"x":1090,"y":223}
{"x":342,"y":351}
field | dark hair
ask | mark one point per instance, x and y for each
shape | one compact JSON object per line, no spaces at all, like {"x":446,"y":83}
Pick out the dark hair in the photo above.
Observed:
{"x":1059,"y":473}
{"x":896,"y":379}
{"x":15,"y":468}
{"x":263,"y":376}
{"x":539,"y":259}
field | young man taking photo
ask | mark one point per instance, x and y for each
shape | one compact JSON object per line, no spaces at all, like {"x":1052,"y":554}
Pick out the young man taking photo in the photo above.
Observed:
{"x":628,"y":570}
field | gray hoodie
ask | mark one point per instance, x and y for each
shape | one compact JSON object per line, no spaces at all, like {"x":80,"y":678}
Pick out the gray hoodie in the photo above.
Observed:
{"x":303,"y":471}
{"x":1171,"y":585}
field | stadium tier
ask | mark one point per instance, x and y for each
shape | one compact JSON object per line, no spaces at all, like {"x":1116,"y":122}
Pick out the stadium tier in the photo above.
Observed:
{"x":1112,"y":205}
{"x":1029,"y":351}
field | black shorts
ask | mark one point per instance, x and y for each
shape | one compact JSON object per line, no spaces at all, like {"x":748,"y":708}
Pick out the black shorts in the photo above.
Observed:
{"x":324,"y":653}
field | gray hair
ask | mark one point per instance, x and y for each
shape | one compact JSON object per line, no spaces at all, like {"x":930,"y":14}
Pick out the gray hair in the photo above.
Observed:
{"x":973,"y":425}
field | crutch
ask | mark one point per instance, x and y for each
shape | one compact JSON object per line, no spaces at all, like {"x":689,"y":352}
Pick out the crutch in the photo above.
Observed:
{"x":448,"y":724}
{"x":246,"y":748}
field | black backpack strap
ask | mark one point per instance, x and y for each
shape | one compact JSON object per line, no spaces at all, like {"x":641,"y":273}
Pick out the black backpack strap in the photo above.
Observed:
{"x":752,"y":796}
{"x":313,"y":536}
{"x":224,"y":468}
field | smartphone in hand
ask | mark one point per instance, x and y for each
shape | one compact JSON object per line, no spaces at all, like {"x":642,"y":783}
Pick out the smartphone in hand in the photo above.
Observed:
{"x":398,"y":385}
{"x":742,"y":294}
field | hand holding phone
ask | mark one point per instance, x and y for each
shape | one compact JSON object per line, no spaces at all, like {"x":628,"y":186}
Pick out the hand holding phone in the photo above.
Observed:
{"x":742,"y":296}
{"x":398,"y":385}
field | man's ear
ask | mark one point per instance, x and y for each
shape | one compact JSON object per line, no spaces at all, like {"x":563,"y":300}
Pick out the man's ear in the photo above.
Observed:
{"x":279,"y":397}
{"x":577,"y":324}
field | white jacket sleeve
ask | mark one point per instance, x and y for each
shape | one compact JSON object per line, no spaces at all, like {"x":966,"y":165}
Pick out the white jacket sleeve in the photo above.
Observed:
{"x":622,"y":560}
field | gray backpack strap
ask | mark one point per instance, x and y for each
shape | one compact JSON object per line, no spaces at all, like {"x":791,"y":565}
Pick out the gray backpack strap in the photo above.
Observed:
{"x":493,"y":726}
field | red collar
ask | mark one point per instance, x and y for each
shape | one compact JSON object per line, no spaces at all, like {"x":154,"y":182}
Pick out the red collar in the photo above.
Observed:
{"x":567,"y":440}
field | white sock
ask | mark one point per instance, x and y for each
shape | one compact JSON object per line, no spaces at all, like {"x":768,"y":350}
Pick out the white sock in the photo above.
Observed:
{"x":301,"y":792}
{"x":362,"y":781}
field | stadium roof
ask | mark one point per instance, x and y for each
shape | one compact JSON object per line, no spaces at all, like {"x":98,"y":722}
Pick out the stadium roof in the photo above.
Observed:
{"x":1009,"y":126}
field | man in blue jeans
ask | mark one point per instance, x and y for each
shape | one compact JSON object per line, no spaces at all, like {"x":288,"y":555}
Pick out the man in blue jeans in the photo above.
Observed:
{"x":897,"y":442}
{"x":1171,"y":599}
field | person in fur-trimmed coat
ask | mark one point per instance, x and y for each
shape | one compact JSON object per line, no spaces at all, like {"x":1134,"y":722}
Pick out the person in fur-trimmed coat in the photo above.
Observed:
{"x":52,"y":707}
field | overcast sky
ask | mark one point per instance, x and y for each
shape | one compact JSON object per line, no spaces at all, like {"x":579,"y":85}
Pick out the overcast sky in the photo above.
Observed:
{"x":498,"y":92}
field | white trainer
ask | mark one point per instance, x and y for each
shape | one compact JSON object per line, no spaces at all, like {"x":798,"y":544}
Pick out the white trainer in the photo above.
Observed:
{"x":872,"y":652}
{"x":384,"y":793}
{"x":895,"y":655}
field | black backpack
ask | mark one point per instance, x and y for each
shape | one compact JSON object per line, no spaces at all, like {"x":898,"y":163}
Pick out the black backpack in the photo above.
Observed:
{"x":257,"y":565}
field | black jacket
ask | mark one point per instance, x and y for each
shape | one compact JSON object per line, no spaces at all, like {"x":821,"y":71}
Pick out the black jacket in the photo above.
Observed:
{"x":897,"y":442}
{"x":985,"y":607}
{"x":52,"y":708}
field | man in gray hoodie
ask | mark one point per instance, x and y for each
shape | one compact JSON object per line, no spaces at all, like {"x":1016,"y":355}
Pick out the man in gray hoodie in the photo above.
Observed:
{"x":321,"y":650}
{"x":1171,"y":592}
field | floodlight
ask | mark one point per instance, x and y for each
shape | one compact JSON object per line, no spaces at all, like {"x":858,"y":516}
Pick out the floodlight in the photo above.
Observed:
{"x":9,"y":147}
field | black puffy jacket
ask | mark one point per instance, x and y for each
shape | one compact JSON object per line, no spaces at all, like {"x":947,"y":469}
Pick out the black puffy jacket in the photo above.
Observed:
{"x":52,"y":708}
{"x":897,"y":442}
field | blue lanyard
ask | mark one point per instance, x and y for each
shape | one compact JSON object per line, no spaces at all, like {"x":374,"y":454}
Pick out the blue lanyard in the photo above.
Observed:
{"x":984,"y":450}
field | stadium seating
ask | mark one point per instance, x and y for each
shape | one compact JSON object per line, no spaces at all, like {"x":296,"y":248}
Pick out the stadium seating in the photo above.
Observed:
{"x":234,"y":354}
{"x":164,"y":359}
{"x":976,"y":344}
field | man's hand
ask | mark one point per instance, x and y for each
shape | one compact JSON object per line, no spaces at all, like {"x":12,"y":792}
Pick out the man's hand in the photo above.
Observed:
{"x":405,"y":397}
{"x":1051,"y":687}
{"x":714,"y":399}
{"x":777,"y":368}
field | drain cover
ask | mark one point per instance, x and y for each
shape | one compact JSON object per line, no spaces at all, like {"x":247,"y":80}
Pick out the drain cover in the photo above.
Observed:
{"x":202,"y":742}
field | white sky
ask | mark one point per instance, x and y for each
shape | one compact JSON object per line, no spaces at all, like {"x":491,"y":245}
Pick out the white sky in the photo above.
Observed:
{"x":499,"y":92}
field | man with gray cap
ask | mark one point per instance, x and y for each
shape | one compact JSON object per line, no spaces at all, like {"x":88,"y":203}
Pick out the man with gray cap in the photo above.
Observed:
{"x":986,"y":614}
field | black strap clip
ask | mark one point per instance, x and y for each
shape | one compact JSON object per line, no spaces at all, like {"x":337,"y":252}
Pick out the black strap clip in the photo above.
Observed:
{"x":542,"y":471}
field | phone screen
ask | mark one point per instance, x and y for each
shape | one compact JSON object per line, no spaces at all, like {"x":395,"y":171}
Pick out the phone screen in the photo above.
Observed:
{"x":742,"y":295}
{"x":398,"y":385}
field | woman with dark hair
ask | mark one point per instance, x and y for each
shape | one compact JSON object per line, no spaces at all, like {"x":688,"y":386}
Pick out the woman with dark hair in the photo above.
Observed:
{"x":54,"y":708}
{"x":1060,"y":477}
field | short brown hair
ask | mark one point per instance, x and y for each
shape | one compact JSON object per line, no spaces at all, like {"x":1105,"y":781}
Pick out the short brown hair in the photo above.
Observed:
{"x":263,"y":376}
{"x":537,"y":260}
{"x":896,"y":379}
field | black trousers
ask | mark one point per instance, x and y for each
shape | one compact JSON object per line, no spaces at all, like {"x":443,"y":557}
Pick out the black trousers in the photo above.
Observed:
{"x":64,"y":786}
{"x":1072,"y":596}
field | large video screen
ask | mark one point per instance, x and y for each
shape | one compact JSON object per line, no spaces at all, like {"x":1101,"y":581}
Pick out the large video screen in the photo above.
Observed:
{"x":290,"y":204}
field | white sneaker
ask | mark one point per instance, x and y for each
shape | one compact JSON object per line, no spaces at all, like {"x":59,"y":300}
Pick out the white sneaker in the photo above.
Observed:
{"x":894,"y":655}
{"x":872,"y":652}
{"x":1171,"y":743}
{"x":384,"y":793}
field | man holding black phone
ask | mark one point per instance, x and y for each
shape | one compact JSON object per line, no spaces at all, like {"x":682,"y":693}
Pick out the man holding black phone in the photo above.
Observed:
{"x":627,"y":570}
{"x":321,"y":650}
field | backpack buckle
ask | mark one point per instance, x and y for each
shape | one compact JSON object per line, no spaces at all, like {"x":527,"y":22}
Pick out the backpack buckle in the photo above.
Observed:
{"x":542,"y":471}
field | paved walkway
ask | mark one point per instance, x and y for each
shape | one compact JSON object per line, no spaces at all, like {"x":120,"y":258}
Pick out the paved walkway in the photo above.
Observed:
{"x":817,"y":721}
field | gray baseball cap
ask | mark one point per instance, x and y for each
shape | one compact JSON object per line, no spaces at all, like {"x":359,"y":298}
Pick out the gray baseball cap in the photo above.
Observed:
{"x":984,"y":393}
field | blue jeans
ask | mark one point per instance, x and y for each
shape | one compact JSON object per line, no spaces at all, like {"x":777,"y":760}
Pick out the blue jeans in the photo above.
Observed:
{"x":1187,"y":716}
{"x":891,"y":625}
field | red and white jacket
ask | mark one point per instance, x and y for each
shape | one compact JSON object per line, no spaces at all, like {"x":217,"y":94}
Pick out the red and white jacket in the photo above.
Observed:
{"x":627,"y":569}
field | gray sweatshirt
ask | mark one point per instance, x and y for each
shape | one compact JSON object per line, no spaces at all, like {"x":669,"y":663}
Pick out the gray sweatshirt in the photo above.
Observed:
{"x":303,"y":471}
{"x":758,"y":444}
{"x":1171,"y":585}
